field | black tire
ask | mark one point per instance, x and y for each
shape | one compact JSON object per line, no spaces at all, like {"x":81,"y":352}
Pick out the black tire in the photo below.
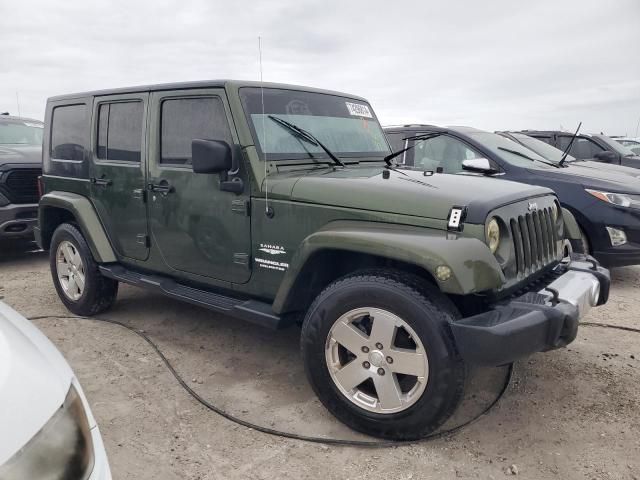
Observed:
{"x":427,"y":311}
{"x":99,"y":292}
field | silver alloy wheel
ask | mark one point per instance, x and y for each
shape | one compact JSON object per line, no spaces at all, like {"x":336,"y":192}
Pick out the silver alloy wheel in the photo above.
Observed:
{"x":70,"y":270}
{"x":371,"y":370}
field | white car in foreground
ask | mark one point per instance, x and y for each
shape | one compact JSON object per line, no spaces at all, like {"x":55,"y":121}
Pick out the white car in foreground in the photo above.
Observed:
{"x":47,"y":430}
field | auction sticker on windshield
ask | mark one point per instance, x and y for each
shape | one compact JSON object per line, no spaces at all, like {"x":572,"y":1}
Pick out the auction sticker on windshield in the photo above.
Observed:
{"x":358,"y":110}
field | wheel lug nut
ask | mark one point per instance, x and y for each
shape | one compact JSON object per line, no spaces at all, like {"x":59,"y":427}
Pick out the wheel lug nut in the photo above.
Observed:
{"x":366,"y":364}
{"x":365,"y":349}
{"x":381,"y":371}
{"x":389,"y":360}
{"x":379,"y":346}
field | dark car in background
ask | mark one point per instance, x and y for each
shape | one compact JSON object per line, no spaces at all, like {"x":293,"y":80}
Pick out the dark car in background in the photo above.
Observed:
{"x":20,"y":166}
{"x":605,"y":203}
{"x":554,"y":154}
{"x":586,"y":147}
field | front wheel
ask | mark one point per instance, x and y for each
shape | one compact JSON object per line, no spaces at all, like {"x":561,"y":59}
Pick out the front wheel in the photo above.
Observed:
{"x":378,"y":353}
{"x":79,"y":284}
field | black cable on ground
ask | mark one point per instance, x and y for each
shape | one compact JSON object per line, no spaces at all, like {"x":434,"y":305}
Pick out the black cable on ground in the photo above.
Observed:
{"x":306,"y":438}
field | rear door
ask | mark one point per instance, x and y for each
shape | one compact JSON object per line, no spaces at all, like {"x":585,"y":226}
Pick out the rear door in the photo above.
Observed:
{"x":118,"y":171}
{"x":198,"y":228}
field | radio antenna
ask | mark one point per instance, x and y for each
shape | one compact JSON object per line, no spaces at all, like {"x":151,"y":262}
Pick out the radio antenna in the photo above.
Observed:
{"x":18,"y":103}
{"x":264,"y":133}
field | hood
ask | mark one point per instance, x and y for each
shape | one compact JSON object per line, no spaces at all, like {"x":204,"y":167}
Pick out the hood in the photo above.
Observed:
{"x":405,"y":192}
{"x":34,"y":380}
{"x":20,"y":154}
{"x":606,"y":177}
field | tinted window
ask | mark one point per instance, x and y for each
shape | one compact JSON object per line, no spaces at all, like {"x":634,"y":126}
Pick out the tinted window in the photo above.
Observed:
{"x":444,"y":152}
{"x":120,"y":131}
{"x":397,"y":140}
{"x":68,"y":127}
{"x":581,"y":148}
{"x":185,"y":119}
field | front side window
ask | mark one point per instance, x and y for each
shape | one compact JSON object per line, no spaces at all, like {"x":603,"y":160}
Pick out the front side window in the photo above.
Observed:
{"x":68,"y":129}
{"x":442,"y":153}
{"x":187,"y":119}
{"x":581,"y":148}
{"x":17,"y":132}
{"x":348,"y":127}
{"x":120,"y":131}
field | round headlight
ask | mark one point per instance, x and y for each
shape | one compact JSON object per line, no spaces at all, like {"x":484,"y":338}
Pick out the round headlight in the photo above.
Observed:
{"x":493,"y":235}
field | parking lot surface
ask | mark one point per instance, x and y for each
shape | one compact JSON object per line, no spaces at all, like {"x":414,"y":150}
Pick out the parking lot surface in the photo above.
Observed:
{"x":571,"y":413}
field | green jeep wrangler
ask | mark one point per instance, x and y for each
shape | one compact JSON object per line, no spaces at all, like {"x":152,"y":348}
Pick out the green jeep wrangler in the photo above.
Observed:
{"x":278,"y":204}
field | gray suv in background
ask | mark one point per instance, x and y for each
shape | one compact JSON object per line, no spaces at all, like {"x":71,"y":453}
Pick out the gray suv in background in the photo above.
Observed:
{"x":20,"y":167}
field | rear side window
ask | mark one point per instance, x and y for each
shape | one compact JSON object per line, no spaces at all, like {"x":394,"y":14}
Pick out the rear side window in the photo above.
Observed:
{"x":186,"y":119}
{"x":120,"y":131}
{"x":68,"y":127}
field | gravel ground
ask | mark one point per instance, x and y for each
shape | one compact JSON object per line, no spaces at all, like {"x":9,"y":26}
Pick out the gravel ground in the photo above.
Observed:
{"x":571,"y":413}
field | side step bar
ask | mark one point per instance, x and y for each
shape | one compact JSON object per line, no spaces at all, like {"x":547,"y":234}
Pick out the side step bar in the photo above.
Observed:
{"x":252,"y":311}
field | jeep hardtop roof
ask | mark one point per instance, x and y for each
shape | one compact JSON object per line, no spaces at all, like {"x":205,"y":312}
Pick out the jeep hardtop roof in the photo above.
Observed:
{"x":234,"y":84}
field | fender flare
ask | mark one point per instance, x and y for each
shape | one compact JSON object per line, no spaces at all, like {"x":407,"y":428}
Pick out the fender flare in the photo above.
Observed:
{"x":474,"y":268}
{"x":84,"y":213}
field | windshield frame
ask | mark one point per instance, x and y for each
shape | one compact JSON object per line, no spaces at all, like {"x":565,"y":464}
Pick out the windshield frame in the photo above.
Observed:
{"x":317,"y":157}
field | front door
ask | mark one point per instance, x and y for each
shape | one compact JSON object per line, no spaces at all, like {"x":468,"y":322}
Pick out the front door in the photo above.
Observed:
{"x":118,"y":171}
{"x":198,"y":228}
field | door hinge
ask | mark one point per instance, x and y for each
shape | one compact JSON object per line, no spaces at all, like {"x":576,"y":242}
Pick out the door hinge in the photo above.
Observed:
{"x":241,"y":206}
{"x":241,"y":259}
{"x":143,"y":239}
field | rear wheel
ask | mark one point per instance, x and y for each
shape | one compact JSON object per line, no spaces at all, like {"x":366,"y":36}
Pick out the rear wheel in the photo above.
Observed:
{"x":379,"y":354}
{"x":79,"y":284}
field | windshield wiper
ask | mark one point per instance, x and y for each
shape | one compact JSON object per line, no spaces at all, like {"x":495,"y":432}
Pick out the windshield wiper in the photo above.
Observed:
{"x":306,"y":136}
{"x":524,"y":155}
{"x":566,"y":150}
{"x":425,"y":136}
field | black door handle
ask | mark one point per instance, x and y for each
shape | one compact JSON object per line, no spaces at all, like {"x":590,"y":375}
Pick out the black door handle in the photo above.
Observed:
{"x":163,"y":187}
{"x":101,"y":182}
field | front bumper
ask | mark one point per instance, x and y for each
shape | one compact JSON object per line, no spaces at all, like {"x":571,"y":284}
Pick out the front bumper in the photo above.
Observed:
{"x":536,"y":321}
{"x":18,"y":220}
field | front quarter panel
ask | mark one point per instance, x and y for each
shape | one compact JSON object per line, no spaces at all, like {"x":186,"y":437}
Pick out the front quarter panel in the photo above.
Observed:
{"x":474,"y":268}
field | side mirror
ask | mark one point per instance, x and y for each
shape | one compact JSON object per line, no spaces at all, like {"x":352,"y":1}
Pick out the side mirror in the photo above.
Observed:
{"x":479,"y":165}
{"x":210,"y":156}
{"x":606,"y":157}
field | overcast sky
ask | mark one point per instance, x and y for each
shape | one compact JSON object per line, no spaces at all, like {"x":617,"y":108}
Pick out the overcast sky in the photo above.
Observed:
{"x":488,"y":64}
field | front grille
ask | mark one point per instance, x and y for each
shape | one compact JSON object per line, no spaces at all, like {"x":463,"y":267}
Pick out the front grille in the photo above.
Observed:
{"x":535,"y":240}
{"x":21,"y":186}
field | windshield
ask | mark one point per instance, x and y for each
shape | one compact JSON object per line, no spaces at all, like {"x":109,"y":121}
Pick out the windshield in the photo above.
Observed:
{"x":347,"y":127}
{"x":20,"y":133}
{"x":500,"y":146}
{"x":541,"y":148}
{"x":615,"y":146}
